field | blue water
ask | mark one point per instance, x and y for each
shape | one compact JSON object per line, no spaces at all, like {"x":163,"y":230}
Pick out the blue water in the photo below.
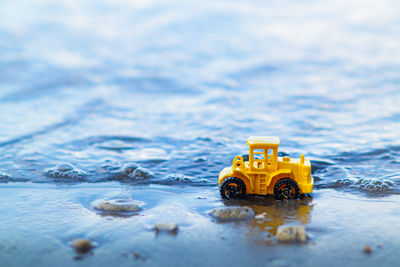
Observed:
{"x":178,"y":87}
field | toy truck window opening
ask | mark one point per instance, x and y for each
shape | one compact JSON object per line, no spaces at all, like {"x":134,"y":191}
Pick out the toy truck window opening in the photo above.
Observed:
{"x":258,"y":154}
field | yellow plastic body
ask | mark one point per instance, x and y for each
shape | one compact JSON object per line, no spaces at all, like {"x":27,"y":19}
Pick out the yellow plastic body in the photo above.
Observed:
{"x":264,"y":168}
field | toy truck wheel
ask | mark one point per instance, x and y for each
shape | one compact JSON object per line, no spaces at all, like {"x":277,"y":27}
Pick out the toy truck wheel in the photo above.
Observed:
{"x":233,"y":188}
{"x":286,"y":189}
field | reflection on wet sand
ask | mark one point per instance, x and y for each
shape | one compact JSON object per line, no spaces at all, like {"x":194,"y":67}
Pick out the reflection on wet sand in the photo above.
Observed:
{"x":270,"y":214}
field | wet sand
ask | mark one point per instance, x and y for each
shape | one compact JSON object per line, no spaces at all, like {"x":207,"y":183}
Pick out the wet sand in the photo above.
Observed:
{"x":40,"y":221}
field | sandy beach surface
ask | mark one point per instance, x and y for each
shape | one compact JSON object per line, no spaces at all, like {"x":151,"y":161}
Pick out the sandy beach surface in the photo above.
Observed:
{"x":39,"y":227}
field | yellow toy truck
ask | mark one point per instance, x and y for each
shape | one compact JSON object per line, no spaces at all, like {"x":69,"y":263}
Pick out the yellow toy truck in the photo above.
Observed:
{"x":264,"y":173}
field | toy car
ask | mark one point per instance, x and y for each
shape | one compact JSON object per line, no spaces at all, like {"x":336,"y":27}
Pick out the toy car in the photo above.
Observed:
{"x":264,"y":173}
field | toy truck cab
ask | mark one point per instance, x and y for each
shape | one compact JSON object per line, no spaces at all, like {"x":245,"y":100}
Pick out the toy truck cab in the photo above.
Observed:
{"x":265,"y":173}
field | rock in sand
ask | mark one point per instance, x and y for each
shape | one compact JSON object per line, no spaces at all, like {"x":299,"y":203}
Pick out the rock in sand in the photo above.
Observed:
{"x":166,"y":227}
{"x":367,"y":249}
{"x":291,"y":234}
{"x":118,"y":205}
{"x":82,"y":245}
{"x":232,"y":213}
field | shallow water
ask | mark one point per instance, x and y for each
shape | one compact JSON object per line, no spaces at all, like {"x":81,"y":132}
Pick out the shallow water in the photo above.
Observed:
{"x":135,"y":96}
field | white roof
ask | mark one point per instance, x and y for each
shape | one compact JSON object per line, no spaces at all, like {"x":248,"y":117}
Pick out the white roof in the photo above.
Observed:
{"x":263,"y":140}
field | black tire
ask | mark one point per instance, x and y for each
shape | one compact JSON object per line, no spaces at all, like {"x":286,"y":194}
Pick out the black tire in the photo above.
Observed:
{"x":233,"y":188}
{"x":286,"y":189}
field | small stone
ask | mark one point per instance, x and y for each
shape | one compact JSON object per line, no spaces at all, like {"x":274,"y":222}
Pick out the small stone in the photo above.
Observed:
{"x":82,"y":245}
{"x":232,"y":213}
{"x":291,"y":233}
{"x":367,"y":249}
{"x":118,"y":205}
{"x":166,"y":227}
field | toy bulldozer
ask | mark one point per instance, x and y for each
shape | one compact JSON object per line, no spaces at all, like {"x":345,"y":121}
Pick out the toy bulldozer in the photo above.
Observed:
{"x":264,"y":173}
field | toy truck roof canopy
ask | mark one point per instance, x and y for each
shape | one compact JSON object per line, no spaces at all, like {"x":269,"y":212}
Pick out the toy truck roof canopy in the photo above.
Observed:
{"x":263,"y":140}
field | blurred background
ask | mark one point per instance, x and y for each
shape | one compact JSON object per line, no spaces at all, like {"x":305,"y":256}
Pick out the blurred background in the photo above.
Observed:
{"x":178,"y":86}
{"x":150,"y":100}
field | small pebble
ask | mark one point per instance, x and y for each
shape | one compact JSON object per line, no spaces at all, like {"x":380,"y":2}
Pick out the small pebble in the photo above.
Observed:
{"x":367,"y":249}
{"x":291,"y":233}
{"x":82,"y":245}
{"x":166,"y":227}
{"x":232,"y":213}
{"x":116,"y":205}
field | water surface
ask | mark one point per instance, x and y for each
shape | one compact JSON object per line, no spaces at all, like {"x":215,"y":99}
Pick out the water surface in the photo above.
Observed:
{"x":175,"y":88}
